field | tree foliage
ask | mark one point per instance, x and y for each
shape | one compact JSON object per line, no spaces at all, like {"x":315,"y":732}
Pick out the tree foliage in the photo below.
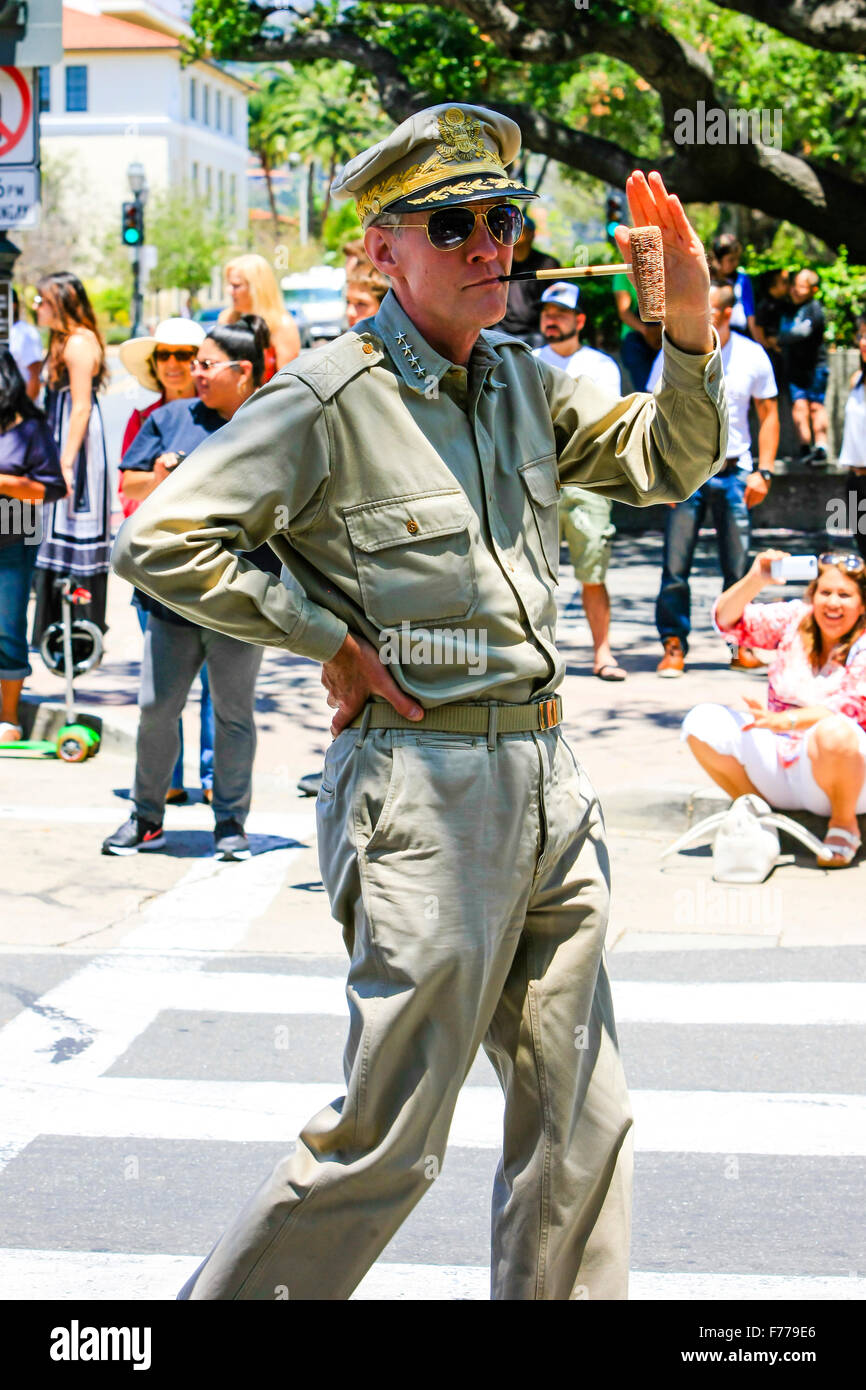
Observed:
{"x":188,"y":238}
{"x":597,"y":88}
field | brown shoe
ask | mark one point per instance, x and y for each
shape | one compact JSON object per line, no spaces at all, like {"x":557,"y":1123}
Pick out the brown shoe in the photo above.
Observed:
{"x":744,"y":659}
{"x":673,"y":663}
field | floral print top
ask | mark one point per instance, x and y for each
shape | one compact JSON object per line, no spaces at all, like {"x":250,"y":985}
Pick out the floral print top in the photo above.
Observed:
{"x":792,"y":682}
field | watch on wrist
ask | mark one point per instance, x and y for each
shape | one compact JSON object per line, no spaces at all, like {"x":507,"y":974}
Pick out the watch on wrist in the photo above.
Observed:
{"x":766,"y":474}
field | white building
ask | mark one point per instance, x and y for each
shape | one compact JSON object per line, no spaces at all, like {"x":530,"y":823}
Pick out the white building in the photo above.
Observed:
{"x":121,"y":95}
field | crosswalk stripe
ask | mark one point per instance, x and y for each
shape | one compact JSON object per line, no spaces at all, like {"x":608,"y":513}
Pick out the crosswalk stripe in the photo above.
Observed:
{"x":92,"y":1017}
{"x":83,"y":1275}
{"x":777,"y":1004}
{"x":722,"y":1122}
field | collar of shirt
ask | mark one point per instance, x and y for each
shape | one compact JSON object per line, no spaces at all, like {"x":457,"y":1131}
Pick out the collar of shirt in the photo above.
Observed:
{"x":420,"y":365}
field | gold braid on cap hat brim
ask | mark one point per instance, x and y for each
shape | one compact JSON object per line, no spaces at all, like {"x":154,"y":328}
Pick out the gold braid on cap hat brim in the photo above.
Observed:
{"x":417,"y":177}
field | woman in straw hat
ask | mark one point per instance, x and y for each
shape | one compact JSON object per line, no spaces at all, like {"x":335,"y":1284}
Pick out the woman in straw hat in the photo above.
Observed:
{"x":253,"y":289}
{"x":163,"y":364}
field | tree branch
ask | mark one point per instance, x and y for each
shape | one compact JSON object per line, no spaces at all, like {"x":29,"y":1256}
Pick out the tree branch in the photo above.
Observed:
{"x":836,"y":26}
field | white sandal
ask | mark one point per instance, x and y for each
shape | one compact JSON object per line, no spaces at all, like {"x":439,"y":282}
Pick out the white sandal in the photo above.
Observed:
{"x":840,"y":844}
{"x":10,"y":733}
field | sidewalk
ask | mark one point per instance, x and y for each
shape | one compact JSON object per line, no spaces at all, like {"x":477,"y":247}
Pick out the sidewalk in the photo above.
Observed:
{"x":625,"y":734}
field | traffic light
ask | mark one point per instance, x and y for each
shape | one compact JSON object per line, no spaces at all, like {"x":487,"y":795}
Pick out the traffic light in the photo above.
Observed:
{"x":613,"y":215}
{"x":132,"y":224}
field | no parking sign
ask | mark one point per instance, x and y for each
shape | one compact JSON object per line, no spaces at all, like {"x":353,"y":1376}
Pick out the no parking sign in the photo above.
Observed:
{"x":17,"y":123}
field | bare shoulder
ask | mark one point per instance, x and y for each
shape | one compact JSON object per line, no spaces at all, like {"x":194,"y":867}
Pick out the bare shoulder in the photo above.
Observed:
{"x":82,"y":345}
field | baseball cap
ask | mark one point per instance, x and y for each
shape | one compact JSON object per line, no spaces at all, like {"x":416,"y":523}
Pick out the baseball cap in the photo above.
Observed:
{"x":562,"y":293}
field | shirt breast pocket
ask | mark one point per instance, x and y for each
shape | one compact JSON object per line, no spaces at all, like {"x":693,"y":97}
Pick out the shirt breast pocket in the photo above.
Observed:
{"x":413,"y":557}
{"x":541,"y":480}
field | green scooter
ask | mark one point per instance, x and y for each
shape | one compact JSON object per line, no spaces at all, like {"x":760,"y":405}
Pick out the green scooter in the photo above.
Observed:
{"x":69,"y":648}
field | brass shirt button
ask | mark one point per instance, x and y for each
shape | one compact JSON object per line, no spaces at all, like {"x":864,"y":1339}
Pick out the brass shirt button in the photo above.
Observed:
{"x":368,"y":348}
{"x":411,"y":527}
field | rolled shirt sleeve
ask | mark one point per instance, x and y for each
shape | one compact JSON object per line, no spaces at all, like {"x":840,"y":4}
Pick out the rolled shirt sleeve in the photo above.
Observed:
{"x":643,"y":448}
{"x":264,"y":470}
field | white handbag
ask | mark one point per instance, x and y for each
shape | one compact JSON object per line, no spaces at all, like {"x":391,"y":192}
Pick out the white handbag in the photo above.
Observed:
{"x":745,"y":840}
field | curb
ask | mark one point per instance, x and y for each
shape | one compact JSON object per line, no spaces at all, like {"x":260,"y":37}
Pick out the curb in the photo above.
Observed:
{"x":676,"y":807}
{"x":44,"y":718}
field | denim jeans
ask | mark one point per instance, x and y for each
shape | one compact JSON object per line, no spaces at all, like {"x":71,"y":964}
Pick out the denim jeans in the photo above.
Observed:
{"x":723,"y":496}
{"x":16,"y":572}
{"x":206,"y":735}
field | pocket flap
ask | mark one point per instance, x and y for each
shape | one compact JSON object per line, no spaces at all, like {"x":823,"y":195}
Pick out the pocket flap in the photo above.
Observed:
{"x":401,"y":520}
{"x":542,"y":479}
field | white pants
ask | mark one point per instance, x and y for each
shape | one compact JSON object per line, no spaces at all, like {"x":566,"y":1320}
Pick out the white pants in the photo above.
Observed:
{"x":790,"y":788}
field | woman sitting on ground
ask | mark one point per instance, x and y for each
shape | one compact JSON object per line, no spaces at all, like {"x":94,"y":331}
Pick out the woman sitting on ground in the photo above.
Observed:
{"x":807,"y":751}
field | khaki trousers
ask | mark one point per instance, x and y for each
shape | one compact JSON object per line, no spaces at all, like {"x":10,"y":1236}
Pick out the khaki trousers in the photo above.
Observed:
{"x":472,"y":887}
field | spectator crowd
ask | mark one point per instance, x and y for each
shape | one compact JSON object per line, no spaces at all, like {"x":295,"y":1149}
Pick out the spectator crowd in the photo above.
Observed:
{"x":54,"y":462}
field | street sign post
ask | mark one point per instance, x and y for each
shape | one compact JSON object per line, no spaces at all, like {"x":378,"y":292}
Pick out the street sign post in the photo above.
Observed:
{"x":31,"y":35}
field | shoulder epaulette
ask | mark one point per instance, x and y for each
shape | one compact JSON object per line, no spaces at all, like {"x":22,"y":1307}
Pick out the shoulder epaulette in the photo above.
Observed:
{"x":496,"y":338}
{"x":327,"y":369}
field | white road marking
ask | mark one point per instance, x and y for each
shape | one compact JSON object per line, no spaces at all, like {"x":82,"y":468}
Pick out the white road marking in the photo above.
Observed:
{"x":82,"y":1275}
{"x":721,"y":1122}
{"x":50,"y":1057}
{"x":793,"y":1004}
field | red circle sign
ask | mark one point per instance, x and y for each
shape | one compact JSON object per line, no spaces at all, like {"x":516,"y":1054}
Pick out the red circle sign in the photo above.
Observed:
{"x":9,"y":138}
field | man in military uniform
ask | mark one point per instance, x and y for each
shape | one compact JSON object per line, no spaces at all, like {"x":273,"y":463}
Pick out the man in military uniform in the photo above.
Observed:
{"x":408,"y":477}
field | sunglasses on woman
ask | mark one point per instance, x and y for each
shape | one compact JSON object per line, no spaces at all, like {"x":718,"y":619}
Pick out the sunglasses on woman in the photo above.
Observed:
{"x":449,"y":228}
{"x":179,"y":354}
{"x":844,"y":560}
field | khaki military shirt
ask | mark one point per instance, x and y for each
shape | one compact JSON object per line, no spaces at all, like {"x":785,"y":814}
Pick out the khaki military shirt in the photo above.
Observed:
{"x":415,"y":502}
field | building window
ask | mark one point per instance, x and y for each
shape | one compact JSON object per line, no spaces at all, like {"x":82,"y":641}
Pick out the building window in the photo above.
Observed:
{"x":205,"y":104}
{"x":193,"y":99}
{"x":230,"y":111}
{"x":221,"y":193}
{"x":43,"y":76}
{"x":218,"y":122}
{"x":76,"y":88}
{"x":195,"y":176}
{"x":233,"y":195}
{"x":208,"y":185}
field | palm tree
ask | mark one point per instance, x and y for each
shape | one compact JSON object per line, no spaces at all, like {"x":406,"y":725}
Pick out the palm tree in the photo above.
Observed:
{"x":332,"y":119}
{"x":269,"y":111}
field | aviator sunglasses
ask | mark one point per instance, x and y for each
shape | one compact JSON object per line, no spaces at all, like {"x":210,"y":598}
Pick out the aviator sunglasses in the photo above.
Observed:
{"x":844,"y":560}
{"x":449,"y":228}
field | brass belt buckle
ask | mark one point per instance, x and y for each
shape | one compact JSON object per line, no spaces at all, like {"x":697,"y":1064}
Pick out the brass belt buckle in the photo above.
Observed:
{"x":548,"y":714}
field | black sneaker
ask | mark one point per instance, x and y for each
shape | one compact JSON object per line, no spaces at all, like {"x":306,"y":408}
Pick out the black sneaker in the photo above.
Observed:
{"x":818,"y":456}
{"x":135,"y":834}
{"x":230,"y":842}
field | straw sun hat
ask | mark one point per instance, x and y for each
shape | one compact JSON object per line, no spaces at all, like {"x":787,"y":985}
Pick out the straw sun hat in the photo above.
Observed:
{"x":135,"y":353}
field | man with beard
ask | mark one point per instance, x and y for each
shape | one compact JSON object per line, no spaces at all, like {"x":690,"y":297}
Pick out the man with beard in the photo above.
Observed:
{"x":584,"y":517}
